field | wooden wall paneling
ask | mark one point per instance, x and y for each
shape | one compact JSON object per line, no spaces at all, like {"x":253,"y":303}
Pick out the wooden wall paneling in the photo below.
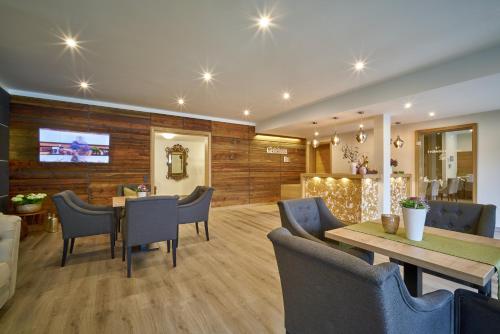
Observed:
{"x":242,"y":172}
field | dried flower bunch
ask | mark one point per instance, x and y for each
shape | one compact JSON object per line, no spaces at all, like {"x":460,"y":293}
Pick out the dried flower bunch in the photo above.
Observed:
{"x":143,"y":188}
{"x":351,"y":154}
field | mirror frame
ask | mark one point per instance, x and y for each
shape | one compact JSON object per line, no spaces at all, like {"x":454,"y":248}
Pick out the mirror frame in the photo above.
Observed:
{"x":183,"y":152}
{"x":468,"y":126}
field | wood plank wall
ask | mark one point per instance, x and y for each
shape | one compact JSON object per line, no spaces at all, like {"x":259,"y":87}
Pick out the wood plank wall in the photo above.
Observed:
{"x":242,"y":172}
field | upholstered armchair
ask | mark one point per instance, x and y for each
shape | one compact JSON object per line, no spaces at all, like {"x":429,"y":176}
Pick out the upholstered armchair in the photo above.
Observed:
{"x":469,"y":218}
{"x":309,"y":218}
{"x":328,"y":291}
{"x":475,"y":313}
{"x":82,"y":221}
{"x":149,"y":220}
{"x":195,"y":208}
{"x":10,"y":229}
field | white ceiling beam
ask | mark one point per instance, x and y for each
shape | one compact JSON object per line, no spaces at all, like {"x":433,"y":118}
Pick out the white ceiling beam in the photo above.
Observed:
{"x":472,"y":66}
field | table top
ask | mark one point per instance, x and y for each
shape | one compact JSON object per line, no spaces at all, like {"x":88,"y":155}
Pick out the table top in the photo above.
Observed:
{"x":119,"y":201}
{"x":467,"y":270}
{"x":39,"y":212}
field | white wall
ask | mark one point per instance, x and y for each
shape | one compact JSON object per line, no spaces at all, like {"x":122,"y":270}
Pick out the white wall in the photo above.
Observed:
{"x":195,"y":167}
{"x":342,"y":166}
{"x":488,"y":154}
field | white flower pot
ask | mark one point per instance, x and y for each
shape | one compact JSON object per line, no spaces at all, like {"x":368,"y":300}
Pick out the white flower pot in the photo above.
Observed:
{"x":29,"y":208}
{"x":142,"y":194}
{"x":414,"y":222}
{"x":354,"y":168}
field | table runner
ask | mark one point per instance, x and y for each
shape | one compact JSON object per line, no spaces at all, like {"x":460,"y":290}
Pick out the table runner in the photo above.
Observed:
{"x":459,"y":248}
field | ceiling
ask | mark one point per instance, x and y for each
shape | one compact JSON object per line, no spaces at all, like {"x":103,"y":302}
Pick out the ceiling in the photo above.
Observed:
{"x":146,"y":53}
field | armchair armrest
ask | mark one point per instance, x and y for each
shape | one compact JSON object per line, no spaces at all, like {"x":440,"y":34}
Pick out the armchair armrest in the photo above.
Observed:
{"x":328,"y":220}
{"x":487,"y":221}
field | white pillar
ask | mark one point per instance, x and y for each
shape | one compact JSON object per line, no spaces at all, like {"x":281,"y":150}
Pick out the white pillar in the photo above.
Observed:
{"x":382,"y":158}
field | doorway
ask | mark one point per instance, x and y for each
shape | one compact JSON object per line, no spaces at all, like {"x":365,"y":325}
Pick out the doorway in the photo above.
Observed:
{"x":446,"y":166}
{"x":180,"y":160}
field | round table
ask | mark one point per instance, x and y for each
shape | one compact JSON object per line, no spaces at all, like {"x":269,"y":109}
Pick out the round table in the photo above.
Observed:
{"x":32,"y":218}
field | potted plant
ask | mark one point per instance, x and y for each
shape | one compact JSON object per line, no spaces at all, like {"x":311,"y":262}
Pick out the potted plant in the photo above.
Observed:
{"x":351,"y":154}
{"x":414,"y":214}
{"x":28,"y":203}
{"x":142,"y":190}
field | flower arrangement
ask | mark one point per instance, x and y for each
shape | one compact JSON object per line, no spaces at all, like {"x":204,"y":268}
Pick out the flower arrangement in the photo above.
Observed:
{"x":28,"y":199}
{"x":394,"y":163}
{"x":414,"y":203}
{"x":351,"y":154}
{"x":142,"y":188}
{"x":363,"y":162}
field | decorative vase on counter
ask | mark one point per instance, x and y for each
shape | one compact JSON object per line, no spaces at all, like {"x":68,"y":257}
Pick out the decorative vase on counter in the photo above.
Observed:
{"x":414,"y":222}
{"x":354,"y":168}
{"x":142,"y":194}
{"x":29,"y":208}
{"x":362,"y":170}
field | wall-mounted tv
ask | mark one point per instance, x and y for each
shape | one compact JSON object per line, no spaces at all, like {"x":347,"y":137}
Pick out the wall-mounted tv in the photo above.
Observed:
{"x":73,"y":147}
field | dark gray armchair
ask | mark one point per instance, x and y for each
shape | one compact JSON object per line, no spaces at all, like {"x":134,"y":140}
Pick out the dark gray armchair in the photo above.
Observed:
{"x":80,"y":219}
{"x":475,"y":313}
{"x":195,"y":208}
{"x":309,"y":218}
{"x":149,"y":220}
{"x":328,"y":291}
{"x":469,"y":218}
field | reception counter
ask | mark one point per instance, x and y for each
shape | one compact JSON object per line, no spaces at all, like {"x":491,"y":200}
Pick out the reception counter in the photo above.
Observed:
{"x":354,"y":198}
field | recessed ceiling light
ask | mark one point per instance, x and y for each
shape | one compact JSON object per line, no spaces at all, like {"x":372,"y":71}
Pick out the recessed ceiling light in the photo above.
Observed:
{"x":71,"y":42}
{"x":264,"y":21}
{"x":432,"y":114}
{"x":181,"y":101}
{"x":359,"y":65}
{"x":84,"y":85}
{"x":246,"y":112}
{"x":167,"y":135}
{"x":286,"y":95}
{"x":408,"y":105}
{"x":207,"y":76}
{"x":316,"y":133}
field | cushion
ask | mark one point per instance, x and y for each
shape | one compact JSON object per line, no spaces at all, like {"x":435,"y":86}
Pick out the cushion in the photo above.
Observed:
{"x":129,"y":192}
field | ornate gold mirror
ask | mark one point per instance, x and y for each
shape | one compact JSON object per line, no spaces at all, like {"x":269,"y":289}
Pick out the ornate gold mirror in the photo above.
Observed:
{"x":177,"y":162}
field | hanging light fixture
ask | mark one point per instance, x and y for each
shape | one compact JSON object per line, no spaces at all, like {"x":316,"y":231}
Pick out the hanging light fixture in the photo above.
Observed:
{"x":315,"y":141}
{"x":361,"y":136}
{"x":335,"y":138}
{"x":398,"y":143}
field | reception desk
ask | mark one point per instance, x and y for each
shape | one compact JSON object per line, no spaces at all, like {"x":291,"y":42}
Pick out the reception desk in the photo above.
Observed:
{"x":354,"y":198}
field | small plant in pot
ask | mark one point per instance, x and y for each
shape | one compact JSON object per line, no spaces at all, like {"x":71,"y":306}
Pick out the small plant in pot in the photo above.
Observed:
{"x":414,"y":214}
{"x":142,"y":190}
{"x":28,"y":203}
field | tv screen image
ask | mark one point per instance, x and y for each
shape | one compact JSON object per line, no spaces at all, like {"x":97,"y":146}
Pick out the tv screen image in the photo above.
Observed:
{"x":72,"y":146}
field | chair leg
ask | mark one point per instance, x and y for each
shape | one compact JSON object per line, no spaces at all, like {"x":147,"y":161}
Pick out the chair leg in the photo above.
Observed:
{"x":174,"y":252}
{"x":168,"y":246}
{"x":72,"y":245}
{"x":123,"y":250}
{"x":65,"y":252}
{"x":177,"y":242}
{"x":112,"y":240}
{"x":206,"y":230}
{"x":197,"y":228}
{"x":129,"y":261}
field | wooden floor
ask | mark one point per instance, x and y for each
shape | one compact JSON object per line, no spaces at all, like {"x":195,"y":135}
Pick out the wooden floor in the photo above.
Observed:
{"x":227,"y":285}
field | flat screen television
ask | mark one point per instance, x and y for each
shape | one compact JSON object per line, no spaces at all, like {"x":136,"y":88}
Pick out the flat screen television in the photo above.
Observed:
{"x":73,"y":147}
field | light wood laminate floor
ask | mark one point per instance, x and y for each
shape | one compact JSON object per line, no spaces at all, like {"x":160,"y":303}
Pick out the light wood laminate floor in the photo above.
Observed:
{"x":227,"y":285}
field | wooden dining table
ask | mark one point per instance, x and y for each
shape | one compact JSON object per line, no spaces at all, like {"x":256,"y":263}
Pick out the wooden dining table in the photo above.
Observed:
{"x":416,"y":259}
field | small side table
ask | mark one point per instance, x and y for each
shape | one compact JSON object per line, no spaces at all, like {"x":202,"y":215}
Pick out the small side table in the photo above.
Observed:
{"x":33,"y":218}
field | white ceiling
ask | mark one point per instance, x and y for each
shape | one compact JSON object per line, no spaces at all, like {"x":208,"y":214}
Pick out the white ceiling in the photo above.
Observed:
{"x":145,"y":53}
